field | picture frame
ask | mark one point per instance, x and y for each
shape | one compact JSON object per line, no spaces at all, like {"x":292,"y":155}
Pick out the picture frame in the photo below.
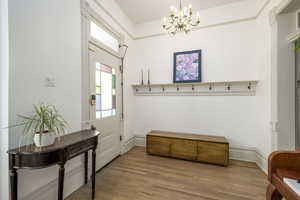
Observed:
{"x":187,"y":66}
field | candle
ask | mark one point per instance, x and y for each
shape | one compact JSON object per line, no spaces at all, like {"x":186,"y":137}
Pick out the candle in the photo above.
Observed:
{"x":198,"y":17}
{"x":142,"y":78}
{"x":165,"y":21}
{"x":190,"y":9}
{"x":172,"y":8}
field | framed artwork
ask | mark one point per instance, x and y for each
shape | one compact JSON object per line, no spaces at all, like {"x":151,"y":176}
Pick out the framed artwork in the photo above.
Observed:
{"x":187,"y":67}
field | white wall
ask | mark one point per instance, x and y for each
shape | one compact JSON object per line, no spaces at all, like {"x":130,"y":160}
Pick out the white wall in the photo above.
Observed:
{"x":4,"y":48}
{"x":263,"y":97}
{"x":228,"y":55}
{"x":270,"y":93}
{"x":231,"y":51}
{"x":245,"y":53}
{"x":45,"y":41}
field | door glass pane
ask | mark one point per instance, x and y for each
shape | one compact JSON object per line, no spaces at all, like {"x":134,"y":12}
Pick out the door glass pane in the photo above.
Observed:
{"x":106,"y":100}
{"x":106,"y":83}
{"x":98,"y":90}
{"x":106,"y":113}
{"x":104,"y":37}
{"x":98,"y":114}
{"x":98,"y":77}
{"x":98,"y":102}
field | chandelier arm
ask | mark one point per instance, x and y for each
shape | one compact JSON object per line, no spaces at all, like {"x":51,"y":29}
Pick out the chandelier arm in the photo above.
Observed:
{"x":194,"y":25}
{"x":181,"y":20}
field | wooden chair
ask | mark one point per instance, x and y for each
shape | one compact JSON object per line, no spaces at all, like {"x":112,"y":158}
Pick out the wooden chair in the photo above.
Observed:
{"x":283,"y":164}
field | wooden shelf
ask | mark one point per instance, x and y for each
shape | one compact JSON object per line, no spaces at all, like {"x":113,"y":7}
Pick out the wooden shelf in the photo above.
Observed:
{"x":228,"y":88}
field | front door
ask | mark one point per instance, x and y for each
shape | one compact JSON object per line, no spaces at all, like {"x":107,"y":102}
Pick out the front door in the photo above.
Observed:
{"x":105,"y":103}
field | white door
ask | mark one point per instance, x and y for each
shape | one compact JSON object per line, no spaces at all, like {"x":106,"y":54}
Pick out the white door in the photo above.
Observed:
{"x":105,"y":109}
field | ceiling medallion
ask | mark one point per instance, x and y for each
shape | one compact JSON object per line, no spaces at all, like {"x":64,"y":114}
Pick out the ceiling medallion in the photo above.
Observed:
{"x":180,"y":20}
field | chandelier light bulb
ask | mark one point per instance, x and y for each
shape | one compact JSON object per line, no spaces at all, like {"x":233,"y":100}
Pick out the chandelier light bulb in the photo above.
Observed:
{"x":180,"y":20}
{"x":165,"y":21}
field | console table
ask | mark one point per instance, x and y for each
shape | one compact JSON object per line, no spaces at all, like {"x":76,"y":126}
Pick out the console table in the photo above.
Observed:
{"x":64,"y":149}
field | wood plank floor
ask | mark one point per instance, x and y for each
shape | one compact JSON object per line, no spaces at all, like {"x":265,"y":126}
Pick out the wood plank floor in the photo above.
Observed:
{"x":138,"y":176}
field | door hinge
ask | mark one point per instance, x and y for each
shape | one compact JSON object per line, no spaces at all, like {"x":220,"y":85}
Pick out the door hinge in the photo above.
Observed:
{"x":121,"y":68}
{"x":121,"y":137}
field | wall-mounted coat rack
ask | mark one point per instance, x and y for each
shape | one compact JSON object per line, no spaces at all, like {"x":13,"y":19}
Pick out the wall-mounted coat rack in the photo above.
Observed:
{"x":228,"y":88}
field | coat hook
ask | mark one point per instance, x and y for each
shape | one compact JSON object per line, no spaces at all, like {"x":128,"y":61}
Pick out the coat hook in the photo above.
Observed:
{"x":228,"y":87}
{"x":149,"y":89}
{"x":163,"y":89}
{"x":210,"y":87}
{"x":177,"y":88}
{"x":249,"y":86}
{"x":193,"y":88}
{"x":136,"y":90}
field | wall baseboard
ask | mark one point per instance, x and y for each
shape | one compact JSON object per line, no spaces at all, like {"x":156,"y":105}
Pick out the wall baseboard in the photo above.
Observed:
{"x":49,"y":191}
{"x":240,"y":153}
{"x":74,"y":177}
{"x":128,"y":145}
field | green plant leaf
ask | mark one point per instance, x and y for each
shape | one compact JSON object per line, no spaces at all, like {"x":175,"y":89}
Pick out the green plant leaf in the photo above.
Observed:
{"x":297,"y":46}
{"x":44,"y":118}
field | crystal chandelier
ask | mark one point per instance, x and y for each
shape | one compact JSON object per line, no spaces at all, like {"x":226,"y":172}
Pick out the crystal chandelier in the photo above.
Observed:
{"x":180,"y":20}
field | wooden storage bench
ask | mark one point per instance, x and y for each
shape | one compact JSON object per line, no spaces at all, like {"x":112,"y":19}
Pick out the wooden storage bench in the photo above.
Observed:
{"x":203,"y":148}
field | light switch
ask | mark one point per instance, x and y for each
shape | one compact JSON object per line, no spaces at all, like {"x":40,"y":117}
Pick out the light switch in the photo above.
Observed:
{"x":50,"y":82}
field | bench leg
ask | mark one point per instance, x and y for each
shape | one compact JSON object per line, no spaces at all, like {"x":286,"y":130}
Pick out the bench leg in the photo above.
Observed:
{"x":272,"y":193}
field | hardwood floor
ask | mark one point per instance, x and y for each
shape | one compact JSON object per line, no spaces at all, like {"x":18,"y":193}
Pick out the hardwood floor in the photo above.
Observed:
{"x":138,"y":176}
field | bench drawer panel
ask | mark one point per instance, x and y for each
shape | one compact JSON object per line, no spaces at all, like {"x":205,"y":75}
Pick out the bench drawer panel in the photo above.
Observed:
{"x":213,"y":153}
{"x":184,"y":149}
{"x":159,"y":146}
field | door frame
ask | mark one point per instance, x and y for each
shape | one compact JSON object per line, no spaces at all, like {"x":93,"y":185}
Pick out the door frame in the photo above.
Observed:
{"x":88,"y":14}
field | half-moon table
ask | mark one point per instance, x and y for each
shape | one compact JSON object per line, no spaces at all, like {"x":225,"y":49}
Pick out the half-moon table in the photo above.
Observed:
{"x":64,"y":149}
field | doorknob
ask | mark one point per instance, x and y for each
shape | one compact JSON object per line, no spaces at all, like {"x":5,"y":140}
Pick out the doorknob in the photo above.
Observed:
{"x":93,"y":99}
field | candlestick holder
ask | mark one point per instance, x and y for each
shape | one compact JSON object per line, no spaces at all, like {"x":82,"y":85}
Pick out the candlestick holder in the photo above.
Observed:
{"x":148,"y":76}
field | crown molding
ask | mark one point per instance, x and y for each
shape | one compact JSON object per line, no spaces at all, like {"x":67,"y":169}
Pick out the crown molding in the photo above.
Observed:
{"x":134,"y":37}
{"x":114,"y":19}
{"x":282,"y":5}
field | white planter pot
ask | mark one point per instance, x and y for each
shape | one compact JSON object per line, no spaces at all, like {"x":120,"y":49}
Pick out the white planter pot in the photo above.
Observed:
{"x":43,"y":140}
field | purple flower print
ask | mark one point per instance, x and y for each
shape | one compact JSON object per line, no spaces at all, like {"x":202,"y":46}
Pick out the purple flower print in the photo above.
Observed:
{"x":187,"y":67}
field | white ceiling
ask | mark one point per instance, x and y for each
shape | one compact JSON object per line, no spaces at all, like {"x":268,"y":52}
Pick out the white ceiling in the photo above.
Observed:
{"x":140,"y":11}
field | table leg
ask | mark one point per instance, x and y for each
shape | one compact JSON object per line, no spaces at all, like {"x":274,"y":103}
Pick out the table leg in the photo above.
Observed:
{"x":86,"y":157}
{"x":61,"y":177}
{"x":13,"y":184}
{"x":93,"y":173}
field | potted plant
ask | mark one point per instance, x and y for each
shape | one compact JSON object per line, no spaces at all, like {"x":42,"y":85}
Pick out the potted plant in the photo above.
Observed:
{"x":44,"y":125}
{"x":297,"y":46}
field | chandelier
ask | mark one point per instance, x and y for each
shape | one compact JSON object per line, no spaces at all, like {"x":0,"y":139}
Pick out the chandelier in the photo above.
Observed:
{"x":180,"y":20}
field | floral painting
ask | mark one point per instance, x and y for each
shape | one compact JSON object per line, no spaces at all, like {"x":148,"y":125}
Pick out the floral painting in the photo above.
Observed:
{"x":187,"y":66}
